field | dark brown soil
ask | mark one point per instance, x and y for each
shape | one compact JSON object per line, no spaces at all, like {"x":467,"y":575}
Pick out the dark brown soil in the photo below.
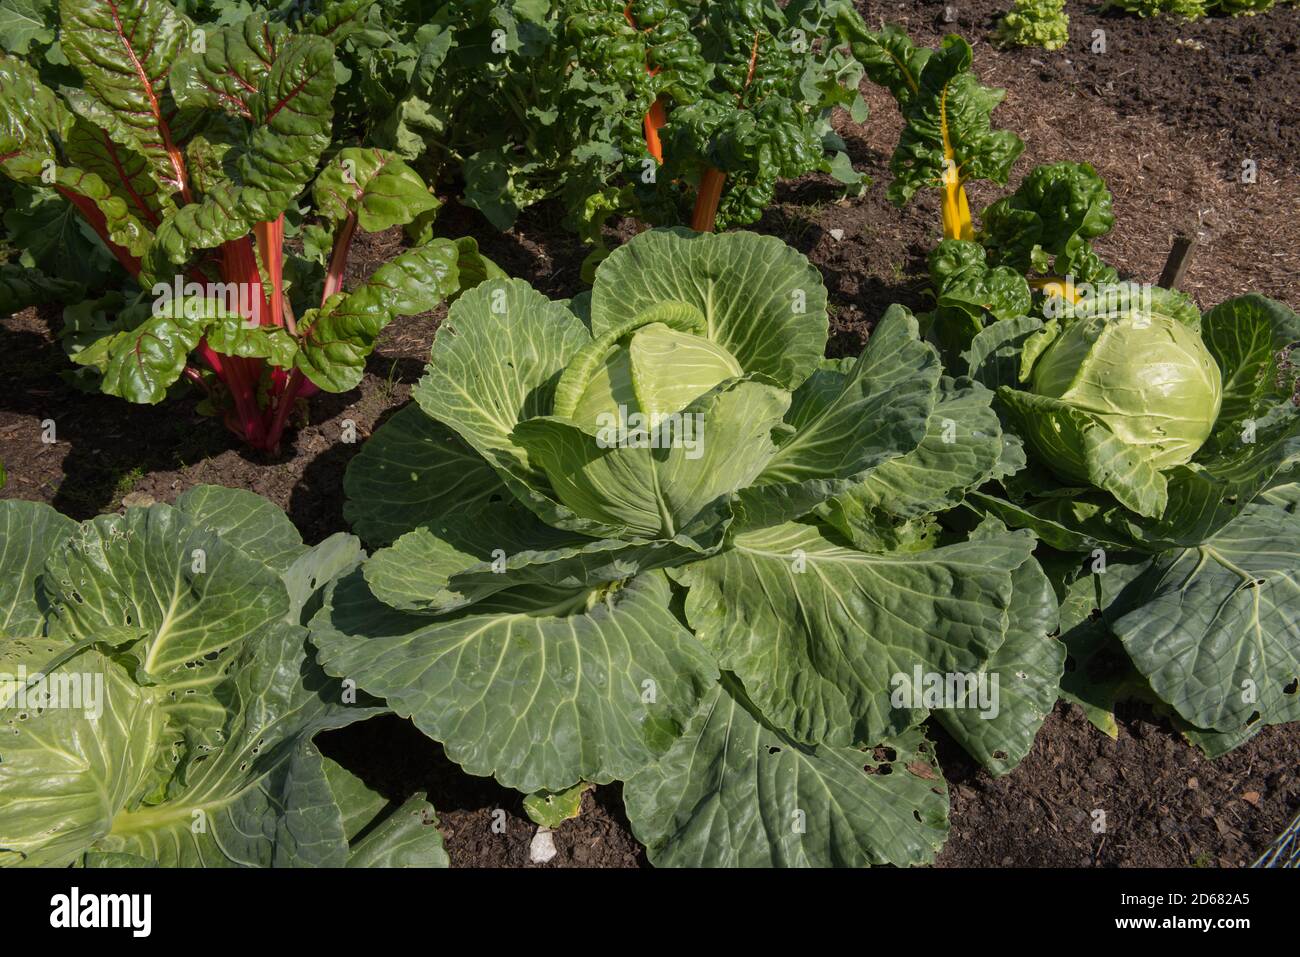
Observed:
{"x":1161,"y":803}
{"x":1166,"y":124}
{"x":1228,"y":85}
{"x":393,"y":757}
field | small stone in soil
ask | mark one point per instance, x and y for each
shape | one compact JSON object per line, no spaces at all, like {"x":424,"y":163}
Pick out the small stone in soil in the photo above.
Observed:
{"x":542,"y":849}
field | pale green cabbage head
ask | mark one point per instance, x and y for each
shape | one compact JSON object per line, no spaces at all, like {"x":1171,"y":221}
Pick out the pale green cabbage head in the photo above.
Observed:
{"x":646,"y":423}
{"x":655,"y":370}
{"x":1147,"y":377}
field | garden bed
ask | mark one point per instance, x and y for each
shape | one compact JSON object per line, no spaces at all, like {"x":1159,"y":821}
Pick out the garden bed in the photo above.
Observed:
{"x":1166,"y":116}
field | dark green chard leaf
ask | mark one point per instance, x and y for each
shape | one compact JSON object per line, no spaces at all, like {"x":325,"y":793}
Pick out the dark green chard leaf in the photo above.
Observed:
{"x":373,"y":185}
{"x":336,"y":339}
{"x":140,"y":362}
{"x":56,"y":239}
{"x":34,"y":123}
{"x":947,"y":138}
{"x":969,"y":294}
{"x":338,"y":19}
{"x":21,"y":287}
{"x":127,"y":173}
{"x":125,"y":51}
{"x":888,"y":56}
{"x":27,"y":23}
{"x":279,"y":87}
{"x":1054,"y":213}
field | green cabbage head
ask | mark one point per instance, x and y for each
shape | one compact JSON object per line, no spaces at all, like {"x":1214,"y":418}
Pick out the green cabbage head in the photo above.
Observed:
{"x":667,"y":403}
{"x":1115,"y":399}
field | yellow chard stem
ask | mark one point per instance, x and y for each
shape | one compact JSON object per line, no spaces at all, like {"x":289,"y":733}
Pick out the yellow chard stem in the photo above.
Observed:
{"x":1056,"y":286}
{"x":956,"y":210}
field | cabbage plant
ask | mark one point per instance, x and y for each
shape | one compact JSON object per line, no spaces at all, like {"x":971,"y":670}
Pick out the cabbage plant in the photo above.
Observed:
{"x":1117,"y":397}
{"x":158,"y":699}
{"x":1164,"y":447}
{"x":652,"y":535}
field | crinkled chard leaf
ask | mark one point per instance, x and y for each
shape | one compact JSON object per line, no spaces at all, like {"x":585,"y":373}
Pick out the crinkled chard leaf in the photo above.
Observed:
{"x":125,"y":51}
{"x":33,"y":122}
{"x":375,"y":186}
{"x":279,"y":89}
{"x":337,"y":339}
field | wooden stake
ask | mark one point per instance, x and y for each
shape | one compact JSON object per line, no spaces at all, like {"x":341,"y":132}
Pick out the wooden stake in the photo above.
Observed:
{"x":1176,"y":264}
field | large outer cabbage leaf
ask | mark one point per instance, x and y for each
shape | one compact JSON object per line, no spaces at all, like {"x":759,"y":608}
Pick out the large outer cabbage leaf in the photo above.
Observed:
{"x":1027,"y":667}
{"x":736,"y":792}
{"x":65,"y":771}
{"x":843,"y":427}
{"x":817,"y":631}
{"x":1214,"y":628}
{"x":540,"y":687}
{"x":761,"y":300}
{"x":414,"y":470}
{"x":29,"y":532}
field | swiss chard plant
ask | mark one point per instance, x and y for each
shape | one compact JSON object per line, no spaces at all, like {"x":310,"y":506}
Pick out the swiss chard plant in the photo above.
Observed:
{"x":651,"y":535}
{"x":1163,"y":448}
{"x":187,"y":150}
{"x":1031,"y":249}
{"x":673,"y":112}
{"x":158,"y":698}
{"x":947,"y":139}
